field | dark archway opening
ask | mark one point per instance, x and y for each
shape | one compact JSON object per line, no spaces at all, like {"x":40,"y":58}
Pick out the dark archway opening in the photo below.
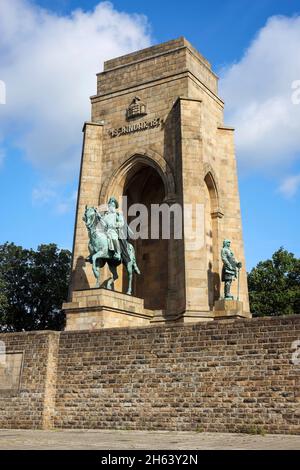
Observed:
{"x":144,"y":185}
{"x":211,"y":240}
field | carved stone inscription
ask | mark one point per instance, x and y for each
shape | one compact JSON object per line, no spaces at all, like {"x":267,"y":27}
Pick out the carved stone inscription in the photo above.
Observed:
{"x":10,"y":370}
{"x":140,"y":126}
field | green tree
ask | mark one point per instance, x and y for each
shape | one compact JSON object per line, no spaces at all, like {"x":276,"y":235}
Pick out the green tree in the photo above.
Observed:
{"x":3,"y":298}
{"x":274,"y":285}
{"x":34,"y":285}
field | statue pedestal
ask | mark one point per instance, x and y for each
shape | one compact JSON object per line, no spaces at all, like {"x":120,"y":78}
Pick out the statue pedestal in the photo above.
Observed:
{"x":93,"y":309}
{"x":229,"y":308}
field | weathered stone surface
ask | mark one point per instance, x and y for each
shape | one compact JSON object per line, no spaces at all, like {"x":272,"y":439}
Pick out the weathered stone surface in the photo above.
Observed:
{"x":30,"y":404}
{"x":102,"y":308}
{"x":10,"y":370}
{"x":224,"y":376}
{"x":231,"y":308}
{"x":187,"y":159}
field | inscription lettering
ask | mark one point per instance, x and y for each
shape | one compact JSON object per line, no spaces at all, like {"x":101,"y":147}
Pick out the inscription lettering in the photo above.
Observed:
{"x":140,"y":126}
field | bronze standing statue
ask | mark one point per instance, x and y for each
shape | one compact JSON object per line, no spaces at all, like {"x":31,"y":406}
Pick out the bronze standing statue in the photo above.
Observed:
{"x":230,"y":269}
{"x":108,"y":243}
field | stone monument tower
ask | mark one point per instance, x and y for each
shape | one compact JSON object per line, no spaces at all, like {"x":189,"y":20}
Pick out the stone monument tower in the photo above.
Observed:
{"x":157,"y":136}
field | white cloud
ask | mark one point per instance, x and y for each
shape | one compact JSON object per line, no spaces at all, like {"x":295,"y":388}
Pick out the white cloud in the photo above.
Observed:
{"x":290,"y":186}
{"x":65,"y":205}
{"x":48,"y":63}
{"x":42,"y":195}
{"x":2,"y":92}
{"x":2,"y":156}
{"x":258,"y":97}
{"x":58,"y":197}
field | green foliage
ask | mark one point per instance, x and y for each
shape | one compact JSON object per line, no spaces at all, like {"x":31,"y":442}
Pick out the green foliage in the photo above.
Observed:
{"x":252,"y":429}
{"x":3,"y":298}
{"x":33,"y":286}
{"x":274,"y":285}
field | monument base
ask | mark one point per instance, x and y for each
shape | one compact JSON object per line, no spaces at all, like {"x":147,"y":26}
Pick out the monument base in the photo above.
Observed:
{"x":230,"y":308}
{"x":192,"y":316}
{"x":93,"y":309}
{"x":189,"y":316}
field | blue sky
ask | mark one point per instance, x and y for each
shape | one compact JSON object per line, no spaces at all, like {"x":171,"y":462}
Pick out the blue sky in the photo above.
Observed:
{"x":252,"y":45}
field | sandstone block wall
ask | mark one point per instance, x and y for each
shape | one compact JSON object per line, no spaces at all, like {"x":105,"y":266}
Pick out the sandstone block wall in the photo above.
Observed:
{"x":215,"y":376}
{"x":30,"y":404}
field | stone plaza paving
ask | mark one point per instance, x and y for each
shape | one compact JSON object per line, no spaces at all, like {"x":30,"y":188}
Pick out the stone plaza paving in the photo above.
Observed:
{"x":11,"y":439}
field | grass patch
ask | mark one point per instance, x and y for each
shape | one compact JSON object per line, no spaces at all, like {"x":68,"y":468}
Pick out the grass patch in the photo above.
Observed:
{"x":252,"y":429}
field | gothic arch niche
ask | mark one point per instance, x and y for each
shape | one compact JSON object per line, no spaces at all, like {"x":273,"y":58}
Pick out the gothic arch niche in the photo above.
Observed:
{"x":115,"y":184}
{"x":144,"y":185}
{"x":212,"y":215}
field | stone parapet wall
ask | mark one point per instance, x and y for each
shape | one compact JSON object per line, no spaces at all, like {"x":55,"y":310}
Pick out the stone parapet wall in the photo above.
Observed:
{"x":153,"y":63}
{"x":27,"y":396}
{"x":228,"y":375}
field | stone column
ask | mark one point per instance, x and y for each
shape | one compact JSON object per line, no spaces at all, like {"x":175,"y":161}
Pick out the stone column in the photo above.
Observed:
{"x":50,"y":380}
{"x":232,"y":223}
{"x":193,"y":197}
{"x":88,"y":194}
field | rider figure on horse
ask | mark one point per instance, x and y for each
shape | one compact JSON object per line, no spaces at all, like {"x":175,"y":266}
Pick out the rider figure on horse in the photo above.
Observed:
{"x":108,"y":243}
{"x":114,"y":224}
